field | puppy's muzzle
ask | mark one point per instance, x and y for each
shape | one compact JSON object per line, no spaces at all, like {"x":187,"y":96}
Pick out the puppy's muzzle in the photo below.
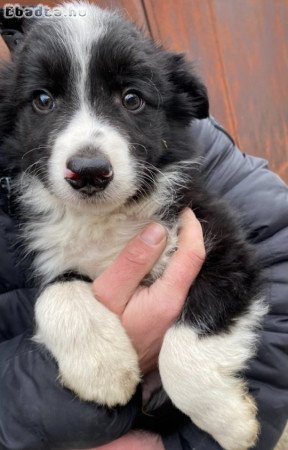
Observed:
{"x":88,"y":175}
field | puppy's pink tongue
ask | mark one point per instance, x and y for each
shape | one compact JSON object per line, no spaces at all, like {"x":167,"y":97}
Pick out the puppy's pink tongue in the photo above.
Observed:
{"x":68,"y":174}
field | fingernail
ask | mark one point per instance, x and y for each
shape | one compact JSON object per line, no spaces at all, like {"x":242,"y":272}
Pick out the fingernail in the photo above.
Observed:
{"x":153,"y":234}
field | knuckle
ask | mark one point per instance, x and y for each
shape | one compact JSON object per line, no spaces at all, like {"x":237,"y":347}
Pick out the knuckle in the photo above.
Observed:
{"x":137,"y":257}
{"x":97,"y":293}
{"x":197,"y":256}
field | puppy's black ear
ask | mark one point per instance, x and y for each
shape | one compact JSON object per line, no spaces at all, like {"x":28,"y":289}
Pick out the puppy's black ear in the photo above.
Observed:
{"x":189,"y":95}
{"x":14,"y":24}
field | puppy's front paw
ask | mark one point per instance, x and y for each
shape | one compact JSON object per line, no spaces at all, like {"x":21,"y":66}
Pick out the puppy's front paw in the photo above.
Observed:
{"x":210,"y":392}
{"x":95,"y":356}
{"x":241,"y":426}
{"x":106,"y":373}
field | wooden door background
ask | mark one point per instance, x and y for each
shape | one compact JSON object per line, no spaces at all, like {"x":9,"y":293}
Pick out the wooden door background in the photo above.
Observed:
{"x":240,"y":48}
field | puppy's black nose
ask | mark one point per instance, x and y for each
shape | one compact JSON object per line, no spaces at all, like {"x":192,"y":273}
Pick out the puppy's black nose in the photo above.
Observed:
{"x":89,"y":175}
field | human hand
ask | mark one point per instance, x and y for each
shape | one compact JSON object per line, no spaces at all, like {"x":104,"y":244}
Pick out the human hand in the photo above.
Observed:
{"x":147,"y":312}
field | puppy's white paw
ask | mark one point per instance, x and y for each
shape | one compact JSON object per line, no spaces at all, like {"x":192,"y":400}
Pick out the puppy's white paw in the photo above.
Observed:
{"x":95,"y":356}
{"x":199,"y":375}
{"x":240,"y":427}
{"x":108,"y":376}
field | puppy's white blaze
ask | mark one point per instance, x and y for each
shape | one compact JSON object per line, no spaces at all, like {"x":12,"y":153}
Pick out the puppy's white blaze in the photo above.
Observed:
{"x":86,"y":130}
{"x":96,"y":358}
{"x":200,"y":376}
{"x":79,"y":32}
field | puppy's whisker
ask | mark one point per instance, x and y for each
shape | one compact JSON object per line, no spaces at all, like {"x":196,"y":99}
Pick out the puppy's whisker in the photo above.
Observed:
{"x":133,"y":144}
{"x":34,"y":149}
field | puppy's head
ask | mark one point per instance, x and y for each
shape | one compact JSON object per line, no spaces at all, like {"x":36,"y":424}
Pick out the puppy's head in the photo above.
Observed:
{"x":95,"y":108}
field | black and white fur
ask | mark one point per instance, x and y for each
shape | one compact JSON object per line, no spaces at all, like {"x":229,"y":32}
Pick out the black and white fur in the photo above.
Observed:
{"x":87,"y":64}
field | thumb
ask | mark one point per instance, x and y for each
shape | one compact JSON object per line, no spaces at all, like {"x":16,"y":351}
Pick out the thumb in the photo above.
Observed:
{"x":116,"y":285}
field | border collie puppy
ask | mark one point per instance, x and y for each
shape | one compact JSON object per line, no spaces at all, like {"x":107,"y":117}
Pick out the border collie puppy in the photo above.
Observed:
{"x":95,"y":121}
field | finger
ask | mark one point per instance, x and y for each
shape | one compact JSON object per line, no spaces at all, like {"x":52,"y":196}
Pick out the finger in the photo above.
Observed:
{"x":183,"y":267}
{"x":115,"y":286}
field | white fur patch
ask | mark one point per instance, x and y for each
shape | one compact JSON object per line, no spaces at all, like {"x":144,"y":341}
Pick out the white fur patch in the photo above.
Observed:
{"x":200,"y":375}
{"x":95,"y":356}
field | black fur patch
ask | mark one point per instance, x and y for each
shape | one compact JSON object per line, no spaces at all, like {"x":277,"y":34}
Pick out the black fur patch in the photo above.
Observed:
{"x":70,"y":276}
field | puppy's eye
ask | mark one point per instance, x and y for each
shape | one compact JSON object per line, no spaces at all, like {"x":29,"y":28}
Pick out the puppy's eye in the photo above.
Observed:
{"x":132,"y":101}
{"x":43,"y":102}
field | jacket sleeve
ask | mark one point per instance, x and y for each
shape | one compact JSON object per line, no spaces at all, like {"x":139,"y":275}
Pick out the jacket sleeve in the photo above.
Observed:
{"x":36,"y":412}
{"x":262,"y":200}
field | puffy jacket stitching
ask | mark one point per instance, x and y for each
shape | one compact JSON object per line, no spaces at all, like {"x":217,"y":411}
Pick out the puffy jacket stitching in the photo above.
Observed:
{"x":218,"y":127}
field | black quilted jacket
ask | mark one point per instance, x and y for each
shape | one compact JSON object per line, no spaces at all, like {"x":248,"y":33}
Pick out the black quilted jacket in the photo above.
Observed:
{"x":36,"y":413}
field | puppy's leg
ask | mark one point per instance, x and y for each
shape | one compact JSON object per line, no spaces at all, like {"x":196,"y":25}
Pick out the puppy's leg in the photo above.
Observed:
{"x":199,"y":373}
{"x":95,"y":356}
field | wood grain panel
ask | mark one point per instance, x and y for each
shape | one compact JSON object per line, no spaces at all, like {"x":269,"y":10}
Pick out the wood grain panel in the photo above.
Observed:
{"x":187,"y":26}
{"x":4,"y":52}
{"x":253,"y":37}
{"x":133,"y":9}
{"x":241,"y":49}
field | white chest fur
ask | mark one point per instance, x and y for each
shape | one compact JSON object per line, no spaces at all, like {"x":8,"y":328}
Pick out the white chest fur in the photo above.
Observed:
{"x":84,"y":240}
{"x":88,"y":245}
